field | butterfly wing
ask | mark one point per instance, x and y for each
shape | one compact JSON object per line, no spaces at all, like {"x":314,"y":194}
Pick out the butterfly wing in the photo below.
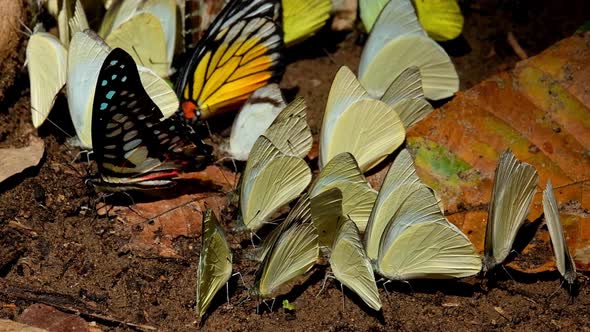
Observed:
{"x":400,"y":182}
{"x":430,"y":250}
{"x":352,"y":267}
{"x":239,"y":53}
{"x":143,"y":37}
{"x":86,"y":55}
{"x":300,"y":213}
{"x":326,"y":215}
{"x":358,"y":197}
{"x":277,"y":183}
{"x":254,"y":118}
{"x":441,"y":19}
{"x":294,"y":253}
{"x":439,"y":77}
{"x":133,"y":148}
{"x":564,"y":261}
{"x":215,"y":263}
{"x":397,"y":18}
{"x":290,"y":132}
{"x":302,"y":18}
{"x":515,"y":183}
{"x":47,"y":64}
{"x":369,"y":129}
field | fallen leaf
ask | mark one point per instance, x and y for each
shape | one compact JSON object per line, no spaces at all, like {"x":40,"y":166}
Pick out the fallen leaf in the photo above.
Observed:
{"x":53,"y":320}
{"x":11,"y":326}
{"x":14,"y":161}
{"x":541,"y":110}
{"x":214,"y":178}
{"x":155,"y":225}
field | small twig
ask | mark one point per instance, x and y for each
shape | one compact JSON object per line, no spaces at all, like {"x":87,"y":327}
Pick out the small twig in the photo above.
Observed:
{"x":516,"y":46}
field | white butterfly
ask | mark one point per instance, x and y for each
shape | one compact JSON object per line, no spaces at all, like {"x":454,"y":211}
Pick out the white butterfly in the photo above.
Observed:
{"x":398,"y":42}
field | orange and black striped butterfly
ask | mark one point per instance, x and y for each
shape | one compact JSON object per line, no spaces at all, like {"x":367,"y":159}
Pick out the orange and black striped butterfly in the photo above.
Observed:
{"x":239,"y":53}
{"x":134,"y":148}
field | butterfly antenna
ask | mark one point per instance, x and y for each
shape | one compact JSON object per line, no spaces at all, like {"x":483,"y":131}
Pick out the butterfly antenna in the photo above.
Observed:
{"x":208,"y":128}
{"x":53,"y":123}
{"x":508,"y":273}
{"x":199,"y":209}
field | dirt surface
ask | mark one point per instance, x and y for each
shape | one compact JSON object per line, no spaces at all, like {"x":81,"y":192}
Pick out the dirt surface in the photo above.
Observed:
{"x":56,"y":249}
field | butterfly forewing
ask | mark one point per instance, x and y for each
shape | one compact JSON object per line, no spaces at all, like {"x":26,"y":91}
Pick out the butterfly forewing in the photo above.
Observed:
{"x":238,"y":54}
{"x":130,"y":142}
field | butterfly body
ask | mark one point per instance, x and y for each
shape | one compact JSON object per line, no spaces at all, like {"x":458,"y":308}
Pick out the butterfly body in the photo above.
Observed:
{"x":239,"y":53}
{"x":134,"y":149}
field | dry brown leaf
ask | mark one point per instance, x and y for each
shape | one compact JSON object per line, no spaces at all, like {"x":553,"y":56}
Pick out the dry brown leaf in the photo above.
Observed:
{"x":53,"y":320}
{"x":214,"y":178}
{"x":155,"y":225}
{"x":11,"y":326}
{"x":14,"y":161}
{"x":541,"y":110}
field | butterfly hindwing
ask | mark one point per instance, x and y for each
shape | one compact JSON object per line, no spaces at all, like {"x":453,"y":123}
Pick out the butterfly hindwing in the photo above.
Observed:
{"x":131,"y":144}
{"x":237,"y":55}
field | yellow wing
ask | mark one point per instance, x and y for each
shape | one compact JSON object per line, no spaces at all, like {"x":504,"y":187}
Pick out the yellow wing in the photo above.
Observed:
{"x":142,"y":36}
{"x":215,"y":263}
{"x":302,"y":18}
{"x":441,"y":19}
{"x":239,"y":54}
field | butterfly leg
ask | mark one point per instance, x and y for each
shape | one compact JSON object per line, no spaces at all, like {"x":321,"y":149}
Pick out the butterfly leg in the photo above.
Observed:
{"x":342,"y":290}
{"x":409,"y":285}
{"x":241,"y":277}
{"x":385,"y":285}
{"x":324,"y":284}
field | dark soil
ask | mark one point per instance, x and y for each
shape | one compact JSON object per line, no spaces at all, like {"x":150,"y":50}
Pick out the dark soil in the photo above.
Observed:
{"x":56,"y":250}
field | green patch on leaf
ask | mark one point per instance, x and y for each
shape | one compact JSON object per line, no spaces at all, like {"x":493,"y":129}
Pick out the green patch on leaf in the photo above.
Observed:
{"x":440,"y":162}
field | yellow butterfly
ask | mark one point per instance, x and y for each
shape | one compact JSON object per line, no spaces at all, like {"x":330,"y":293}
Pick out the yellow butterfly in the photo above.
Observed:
{"x":239,"y":53}
{"x":302,"y":18}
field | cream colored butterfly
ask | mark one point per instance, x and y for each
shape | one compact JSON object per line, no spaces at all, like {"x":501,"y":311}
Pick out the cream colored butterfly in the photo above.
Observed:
{"x":47,"y":65}
{"x":515,"y":183}
{"x":408,"y":237}
{"x":563,"y":259}
{"x":342,"y":172}
{"x":339,"y":236}
{"x":271,"y":180}
{"x":397,"y":34}
{"x":352,"y":267}
{"x":146,"y":29}
{"x":215,"y":263}
{"x":255,"y":117}
{"x":354,"y":122}
{"x":290,"y":254}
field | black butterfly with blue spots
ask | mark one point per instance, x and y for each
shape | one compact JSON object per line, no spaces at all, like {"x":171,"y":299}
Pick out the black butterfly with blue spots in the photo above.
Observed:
{"x":134,"y":147}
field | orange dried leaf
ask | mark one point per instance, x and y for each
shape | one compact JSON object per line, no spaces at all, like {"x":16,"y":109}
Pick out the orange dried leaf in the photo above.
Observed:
{"x":541,"y":110}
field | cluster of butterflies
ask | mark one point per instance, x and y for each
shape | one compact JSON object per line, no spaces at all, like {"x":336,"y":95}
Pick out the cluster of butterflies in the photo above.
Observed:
{"x":398,"y":233}
{"x":143,"y":134}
